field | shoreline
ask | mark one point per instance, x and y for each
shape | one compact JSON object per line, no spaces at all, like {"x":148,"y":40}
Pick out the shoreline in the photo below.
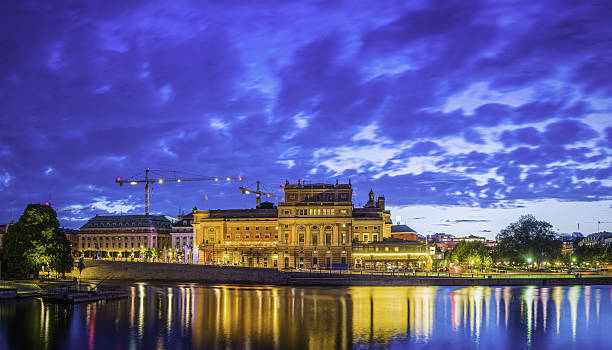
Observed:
{"x":185,"y":273}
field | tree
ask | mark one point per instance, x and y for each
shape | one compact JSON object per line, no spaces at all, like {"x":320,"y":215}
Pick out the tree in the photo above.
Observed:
{"x":36,"y":241}
{"x":593,"y":255}
{"x":473,"y":254}
{"x":528,"y":240}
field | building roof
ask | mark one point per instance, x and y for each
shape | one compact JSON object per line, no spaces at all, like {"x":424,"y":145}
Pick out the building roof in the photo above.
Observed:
{"x":401,"y":229}
{"x":184,"y":220}
{"x":317,"y":186}
{"x":156,"y":221}
{"x":244,"y":213}
{"x":599,"y":236}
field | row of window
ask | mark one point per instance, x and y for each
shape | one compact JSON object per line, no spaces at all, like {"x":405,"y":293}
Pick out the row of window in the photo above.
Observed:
{"x":315,"y":238}
{"x":112,"y":245}
{"x":251,"y":261}
{"x":125,"y":224}
{"x":118,"y":238}
{"x":316,"y":212}
{"x":318,"y":197}
{"x":247,"y":228}
{"x":365,"y":237}
{"x":180,"y":243}
{"x":248,"y":236}
{"x":408,"y":248}
{"x":365,"y":227}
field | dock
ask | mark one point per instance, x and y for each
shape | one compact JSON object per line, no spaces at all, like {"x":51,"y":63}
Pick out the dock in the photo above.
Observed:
{"x":83,"y":296}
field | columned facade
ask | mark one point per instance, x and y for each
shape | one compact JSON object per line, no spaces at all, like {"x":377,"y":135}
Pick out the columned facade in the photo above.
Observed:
{"x":314,"y":227}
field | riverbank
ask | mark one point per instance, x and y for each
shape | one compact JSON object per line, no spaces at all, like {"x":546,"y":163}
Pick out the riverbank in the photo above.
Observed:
{"x":140,"y":271}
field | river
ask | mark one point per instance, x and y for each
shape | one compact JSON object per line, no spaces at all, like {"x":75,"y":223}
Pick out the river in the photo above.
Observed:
{"x":194,"y":316}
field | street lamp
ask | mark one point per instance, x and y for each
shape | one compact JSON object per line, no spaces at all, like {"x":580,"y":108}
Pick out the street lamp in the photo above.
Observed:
{"x":528,"y":264}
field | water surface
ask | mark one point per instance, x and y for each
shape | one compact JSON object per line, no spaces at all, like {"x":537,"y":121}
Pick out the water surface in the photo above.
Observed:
{"x":192,"y":316}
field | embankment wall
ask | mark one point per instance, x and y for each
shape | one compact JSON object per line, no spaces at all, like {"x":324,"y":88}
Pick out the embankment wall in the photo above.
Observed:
{"x":135,"y":271}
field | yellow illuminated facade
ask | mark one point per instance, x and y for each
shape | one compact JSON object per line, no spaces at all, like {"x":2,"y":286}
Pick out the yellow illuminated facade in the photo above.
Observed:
{"x":316,"y":226}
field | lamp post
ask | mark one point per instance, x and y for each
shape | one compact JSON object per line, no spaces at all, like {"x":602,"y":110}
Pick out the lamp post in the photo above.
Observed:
{"x":529,"y":264}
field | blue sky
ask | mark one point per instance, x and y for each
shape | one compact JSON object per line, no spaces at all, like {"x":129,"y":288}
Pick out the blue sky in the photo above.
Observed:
{"x":465,"y":115}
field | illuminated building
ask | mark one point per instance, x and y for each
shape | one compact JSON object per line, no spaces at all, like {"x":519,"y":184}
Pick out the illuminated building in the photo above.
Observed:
{"x":125,"y":233}
{"x":315,"y":226}
{"x":595,"y":239}
{"x":570,"y":241}
{"x":182,"y":236}
{"x":73,"y":237}
{"x":391,"y":252}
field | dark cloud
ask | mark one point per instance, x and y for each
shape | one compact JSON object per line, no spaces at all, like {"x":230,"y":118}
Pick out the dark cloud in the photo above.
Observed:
{"x":96,"y":91}
{"x":530,"y":136}
{"x":568,"y":132}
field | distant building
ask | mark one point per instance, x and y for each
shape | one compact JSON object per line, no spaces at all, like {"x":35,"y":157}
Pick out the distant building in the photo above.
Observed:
{"x":595,"y":238}
{"x":442,"y":238}
{"x":490,"y":243}
{"x":570,"y":241}
{"x":447,"y":242}
{"x":471,"y":238}
{"x":125,"y":233}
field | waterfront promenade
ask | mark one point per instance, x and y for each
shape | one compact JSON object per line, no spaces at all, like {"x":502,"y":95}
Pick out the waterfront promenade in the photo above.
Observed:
{"x":140,"y":271}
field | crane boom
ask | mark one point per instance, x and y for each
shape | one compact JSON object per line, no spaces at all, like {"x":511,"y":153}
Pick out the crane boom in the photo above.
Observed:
{"x":147,"y":181}
{"x":258,"y":194}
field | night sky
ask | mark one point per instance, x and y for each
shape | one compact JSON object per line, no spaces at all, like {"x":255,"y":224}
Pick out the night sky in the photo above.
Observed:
{"x":464,"y":114}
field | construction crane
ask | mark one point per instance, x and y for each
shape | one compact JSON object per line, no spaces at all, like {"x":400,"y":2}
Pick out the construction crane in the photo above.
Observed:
{"x":598,"y":222}
{"x":258,"y":194}
{"x":160,"y":180}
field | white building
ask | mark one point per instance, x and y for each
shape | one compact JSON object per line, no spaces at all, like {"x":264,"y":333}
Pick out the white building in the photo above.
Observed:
{"x":182,"y":238}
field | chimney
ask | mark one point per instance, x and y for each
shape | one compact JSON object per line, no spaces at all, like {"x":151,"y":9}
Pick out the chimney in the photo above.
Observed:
{"x":381,"y":202}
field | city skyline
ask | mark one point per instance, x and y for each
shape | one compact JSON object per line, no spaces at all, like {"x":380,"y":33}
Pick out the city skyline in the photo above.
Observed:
{"x":464,"y":116}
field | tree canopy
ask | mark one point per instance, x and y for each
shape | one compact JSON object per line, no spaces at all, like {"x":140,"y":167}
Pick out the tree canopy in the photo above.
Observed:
{"x":36,"y":241}
{"x":528,"y":240}
{"x":473,"y":254}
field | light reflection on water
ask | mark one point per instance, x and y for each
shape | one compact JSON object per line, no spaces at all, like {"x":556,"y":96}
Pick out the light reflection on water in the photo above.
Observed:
{"x":167,"y":316}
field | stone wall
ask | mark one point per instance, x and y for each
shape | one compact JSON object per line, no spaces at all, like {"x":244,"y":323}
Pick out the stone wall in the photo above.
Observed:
{"x":135,"y":271}
{"x":119,"y":270}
